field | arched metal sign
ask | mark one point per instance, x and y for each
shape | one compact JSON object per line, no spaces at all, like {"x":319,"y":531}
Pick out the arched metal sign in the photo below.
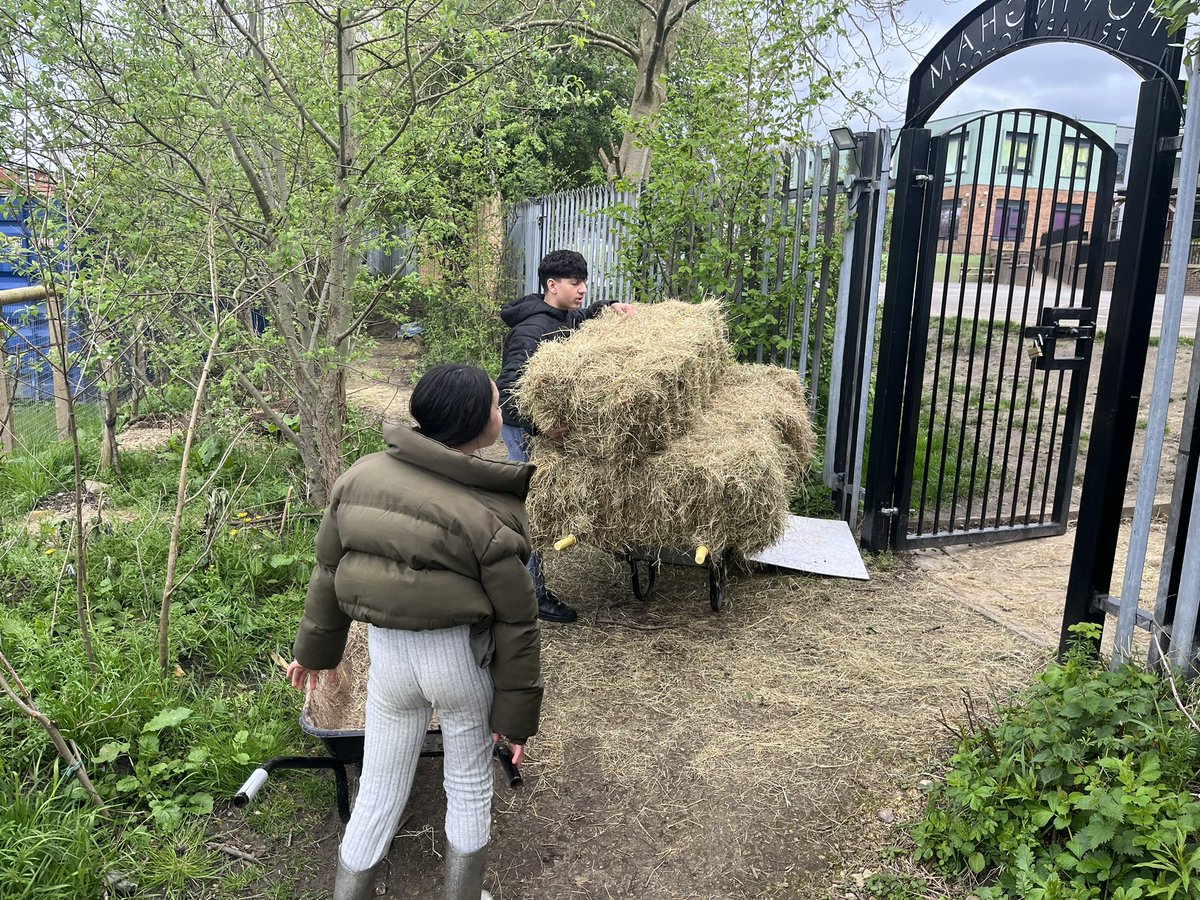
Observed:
{"x":1130,"y":30}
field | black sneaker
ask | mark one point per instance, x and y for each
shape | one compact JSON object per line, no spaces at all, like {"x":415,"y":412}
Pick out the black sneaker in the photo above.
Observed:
{"x":551,"y":609}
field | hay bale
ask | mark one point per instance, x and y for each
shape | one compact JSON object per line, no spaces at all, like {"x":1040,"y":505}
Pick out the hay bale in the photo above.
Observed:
{"x":627,"y":385}
{"x":725,"y":484}
{"x":341,"y":705}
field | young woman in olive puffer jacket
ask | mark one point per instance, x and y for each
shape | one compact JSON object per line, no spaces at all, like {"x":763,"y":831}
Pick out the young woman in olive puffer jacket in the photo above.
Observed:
{"x":427,"y":542}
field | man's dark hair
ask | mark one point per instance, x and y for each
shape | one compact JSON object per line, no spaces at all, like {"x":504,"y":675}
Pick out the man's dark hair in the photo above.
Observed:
{"x":561,"y":264}
{"x":452,"y":404}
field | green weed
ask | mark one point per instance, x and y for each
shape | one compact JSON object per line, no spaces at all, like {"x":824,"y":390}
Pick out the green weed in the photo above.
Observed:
{"x":162,"y":749}
{"x":1080,"y":789}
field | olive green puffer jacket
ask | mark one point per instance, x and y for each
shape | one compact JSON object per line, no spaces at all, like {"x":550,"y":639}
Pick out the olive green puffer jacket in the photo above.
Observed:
{"x":420,"y":537}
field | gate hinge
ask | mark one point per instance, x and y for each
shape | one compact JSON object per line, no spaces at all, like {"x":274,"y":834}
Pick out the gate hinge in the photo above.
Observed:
{"x":1170,"y":144}
{"x":889,"y":511}
{"x":922,"y":176}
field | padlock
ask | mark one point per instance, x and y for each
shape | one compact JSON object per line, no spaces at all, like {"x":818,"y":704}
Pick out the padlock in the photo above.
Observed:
{"x":1035,"y":349}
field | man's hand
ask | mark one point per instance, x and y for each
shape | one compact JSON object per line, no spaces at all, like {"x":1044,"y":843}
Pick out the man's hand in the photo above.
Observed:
{"x":557,"y":433}
{"x":625,"y":309}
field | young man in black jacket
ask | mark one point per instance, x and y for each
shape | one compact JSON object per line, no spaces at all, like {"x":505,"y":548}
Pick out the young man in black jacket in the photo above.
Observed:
{"x":532,"y":319}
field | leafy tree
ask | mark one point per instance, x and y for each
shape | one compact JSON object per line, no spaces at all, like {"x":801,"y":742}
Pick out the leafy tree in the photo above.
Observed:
{"x":652,"y":33}
{"x":704,"y":220}
{"x":295,"y":127}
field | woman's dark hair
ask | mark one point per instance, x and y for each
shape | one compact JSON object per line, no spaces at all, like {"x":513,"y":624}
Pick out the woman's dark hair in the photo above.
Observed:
{"x":558,"y":264}
{"x":452,"y":404}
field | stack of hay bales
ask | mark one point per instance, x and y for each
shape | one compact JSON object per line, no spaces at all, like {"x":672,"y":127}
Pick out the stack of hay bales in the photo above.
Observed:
{"x":671,"y":443}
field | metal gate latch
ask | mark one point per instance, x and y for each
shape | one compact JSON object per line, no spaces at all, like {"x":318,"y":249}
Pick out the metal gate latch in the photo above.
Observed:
{"x":1053,"y":328}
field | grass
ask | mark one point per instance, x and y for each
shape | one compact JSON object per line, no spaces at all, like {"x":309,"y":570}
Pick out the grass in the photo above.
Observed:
{"x":161,"y":749}
{"x":955,"y":261}
{"x":50,"y":846}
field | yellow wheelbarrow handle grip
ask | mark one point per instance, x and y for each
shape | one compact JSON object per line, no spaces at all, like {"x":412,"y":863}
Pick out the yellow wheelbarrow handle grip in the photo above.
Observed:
{"x":701,"y":555}
{"x":566,"y":543}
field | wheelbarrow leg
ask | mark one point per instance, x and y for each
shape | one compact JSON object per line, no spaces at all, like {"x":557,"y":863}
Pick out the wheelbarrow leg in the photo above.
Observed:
{"x":716,"y":584}
{"x":259,"y":777}
{"x":635,"y":577}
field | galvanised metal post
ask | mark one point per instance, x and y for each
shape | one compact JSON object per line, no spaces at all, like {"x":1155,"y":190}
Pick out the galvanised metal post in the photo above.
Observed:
{"x":1160,"y":398}
{"x":884,"y":157}
{"x":1114,"y":421}
{"x":866,"y":179}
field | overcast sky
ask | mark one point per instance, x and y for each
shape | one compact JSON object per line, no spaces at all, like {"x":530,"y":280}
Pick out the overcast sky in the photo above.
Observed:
{"x":1078,"y":81}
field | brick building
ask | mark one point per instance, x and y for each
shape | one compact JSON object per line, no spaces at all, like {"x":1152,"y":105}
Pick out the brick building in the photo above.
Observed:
{"x":1017,"y":183}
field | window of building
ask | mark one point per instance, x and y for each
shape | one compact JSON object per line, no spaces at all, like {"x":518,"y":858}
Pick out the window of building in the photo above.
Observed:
{"x":1017,"y":153}
{"x":1122,"y":160}
{"x":948,"y":222}
{"x":956,"y":158}
{"x":1075,"y":158}
{"x":1066,"y":216}
{"x":1008,"y":221}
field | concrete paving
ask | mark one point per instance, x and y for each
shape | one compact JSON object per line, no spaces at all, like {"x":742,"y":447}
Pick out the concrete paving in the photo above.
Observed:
{"x":978,"y":304}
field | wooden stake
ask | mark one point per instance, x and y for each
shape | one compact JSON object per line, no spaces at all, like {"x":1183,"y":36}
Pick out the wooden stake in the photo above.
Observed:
{"x":29,"y":294}
{"x":6,"y":412}
{"x":59,"y":364}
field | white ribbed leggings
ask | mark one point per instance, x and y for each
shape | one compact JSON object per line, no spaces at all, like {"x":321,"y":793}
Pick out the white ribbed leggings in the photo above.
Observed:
{"x":413,"y":672}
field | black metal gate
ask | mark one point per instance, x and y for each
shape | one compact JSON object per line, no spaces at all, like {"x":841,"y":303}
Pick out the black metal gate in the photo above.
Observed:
{"x":997,"y":261}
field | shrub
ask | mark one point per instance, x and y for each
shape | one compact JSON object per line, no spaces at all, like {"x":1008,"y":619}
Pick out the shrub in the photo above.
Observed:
{"x":1081,"y":789}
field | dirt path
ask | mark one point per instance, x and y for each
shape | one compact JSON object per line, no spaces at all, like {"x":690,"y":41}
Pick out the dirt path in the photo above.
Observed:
{"x":688,"y":754}
{"x":379,"y":386}
{"x":758,"y":753}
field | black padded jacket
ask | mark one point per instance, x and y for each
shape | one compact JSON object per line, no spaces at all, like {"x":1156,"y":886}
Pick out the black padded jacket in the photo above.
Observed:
{"x":531,"y":320}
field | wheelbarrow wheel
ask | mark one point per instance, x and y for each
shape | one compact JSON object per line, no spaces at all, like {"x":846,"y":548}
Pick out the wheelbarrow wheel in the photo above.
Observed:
{"x":716,"y":584}
{"x":643,"y":591}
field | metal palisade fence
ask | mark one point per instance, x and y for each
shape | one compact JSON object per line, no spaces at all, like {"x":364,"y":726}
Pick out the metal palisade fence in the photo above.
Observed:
{"x":593,"y":221}
{"x":580,"y":220}
{"x":802,"y":297}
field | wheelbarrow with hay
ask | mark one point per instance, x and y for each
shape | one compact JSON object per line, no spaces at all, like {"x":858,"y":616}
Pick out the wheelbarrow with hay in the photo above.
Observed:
{"x":672,"y":453}
{"x":335,"y":713}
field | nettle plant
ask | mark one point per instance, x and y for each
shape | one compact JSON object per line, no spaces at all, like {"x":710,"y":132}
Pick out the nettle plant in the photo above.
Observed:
{"x":1083,"y":788}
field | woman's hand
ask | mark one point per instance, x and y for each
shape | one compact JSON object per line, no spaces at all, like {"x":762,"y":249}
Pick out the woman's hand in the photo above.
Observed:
{"x":301,"y":676}
{"x":558,"y":432}
{"x":518,"y":750}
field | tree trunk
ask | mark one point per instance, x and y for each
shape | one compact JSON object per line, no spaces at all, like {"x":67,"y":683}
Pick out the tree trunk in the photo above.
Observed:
{"x":656,"y":51}
{"x":108,"y":414}
{"x":59,"y":364}
{"x":322,"y":420}
{"x":164,"y":613}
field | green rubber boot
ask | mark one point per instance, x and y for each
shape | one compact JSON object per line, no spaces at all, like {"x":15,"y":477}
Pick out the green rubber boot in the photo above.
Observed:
{"x":464,"y":874}
{"x":355,"y":885}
